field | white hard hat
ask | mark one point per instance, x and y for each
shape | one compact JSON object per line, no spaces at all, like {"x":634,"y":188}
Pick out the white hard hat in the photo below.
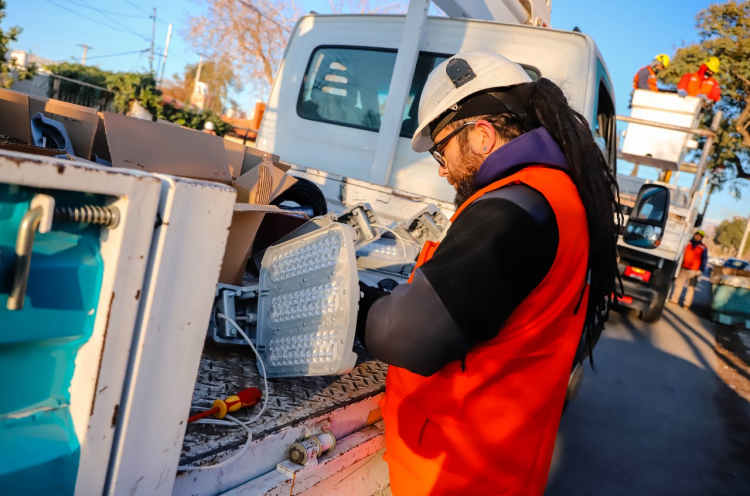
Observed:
{"x":457,"y":78}
{"x":209,"y":125}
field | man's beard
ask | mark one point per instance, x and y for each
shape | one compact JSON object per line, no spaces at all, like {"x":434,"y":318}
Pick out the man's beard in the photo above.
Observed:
{"x":465,"y":187}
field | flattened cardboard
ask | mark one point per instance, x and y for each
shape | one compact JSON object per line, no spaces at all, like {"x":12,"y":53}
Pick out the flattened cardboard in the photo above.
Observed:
{"x":247,"y":184}
{"x":16,"y":110}
{"x":245,"y":223}
{"x":235,"y":153}
{"x":156,"y":147}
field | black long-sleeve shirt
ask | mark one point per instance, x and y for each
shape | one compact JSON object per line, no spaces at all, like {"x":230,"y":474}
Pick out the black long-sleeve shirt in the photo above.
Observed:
{"x":495,"y":254}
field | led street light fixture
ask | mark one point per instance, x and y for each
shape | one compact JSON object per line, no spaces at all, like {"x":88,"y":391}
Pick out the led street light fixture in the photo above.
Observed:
{"x":307,"y":307}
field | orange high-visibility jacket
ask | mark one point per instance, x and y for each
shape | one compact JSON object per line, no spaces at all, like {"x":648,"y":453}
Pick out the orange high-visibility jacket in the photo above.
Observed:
{"x":650,"y":80}
{"x":489,"y":427}
{"x":693,"y":258}
{"x":695,"y":84}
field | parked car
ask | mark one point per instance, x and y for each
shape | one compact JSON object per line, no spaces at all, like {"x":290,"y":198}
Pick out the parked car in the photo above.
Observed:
{"x":736,"y":263}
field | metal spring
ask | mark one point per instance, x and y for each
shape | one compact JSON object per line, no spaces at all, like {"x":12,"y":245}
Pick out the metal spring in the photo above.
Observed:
{"x":108,"y":216}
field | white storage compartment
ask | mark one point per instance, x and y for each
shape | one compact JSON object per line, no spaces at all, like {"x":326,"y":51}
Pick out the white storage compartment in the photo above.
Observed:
{"x":657,"y":147}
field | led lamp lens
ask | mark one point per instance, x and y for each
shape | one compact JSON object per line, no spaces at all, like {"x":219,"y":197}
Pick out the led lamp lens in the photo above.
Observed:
{"x":308,"y":302}
{"x":387,"y":252}
{"x":292,"y":262}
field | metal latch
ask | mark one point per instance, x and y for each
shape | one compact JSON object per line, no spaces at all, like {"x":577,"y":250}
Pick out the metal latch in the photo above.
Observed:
{"x":39,"y":217}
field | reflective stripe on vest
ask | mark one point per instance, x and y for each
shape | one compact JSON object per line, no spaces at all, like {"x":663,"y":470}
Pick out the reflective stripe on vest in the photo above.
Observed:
{"x":651,"y":79}
{"x":490,"y":429}
{"x":693,"y":256}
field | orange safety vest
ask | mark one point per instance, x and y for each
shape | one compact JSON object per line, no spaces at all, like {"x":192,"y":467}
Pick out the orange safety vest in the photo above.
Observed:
{"x":693,"y":256}
{"x":651,"y":79}
{"x":695,"y":85}
{"x":489,"y":428}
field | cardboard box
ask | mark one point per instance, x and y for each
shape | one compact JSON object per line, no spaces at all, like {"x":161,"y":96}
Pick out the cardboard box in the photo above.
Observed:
{"x":156,"y":147}
{"x":248,"y":184}
{"x":246,"y":222}
{"x":17,"y":109}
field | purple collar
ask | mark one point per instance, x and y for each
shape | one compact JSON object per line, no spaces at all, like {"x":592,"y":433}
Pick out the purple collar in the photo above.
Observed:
{"x":536,"y":147}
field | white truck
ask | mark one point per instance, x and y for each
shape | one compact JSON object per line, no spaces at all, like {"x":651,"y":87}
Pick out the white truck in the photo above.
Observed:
{"x":133,"y":301}
{"x":662,"y":129}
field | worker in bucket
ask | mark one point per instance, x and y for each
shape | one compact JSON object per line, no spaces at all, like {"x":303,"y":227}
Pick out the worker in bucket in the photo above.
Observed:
{"x":702,"y":83}
{"x":481,"y":342}
{"x":693,"y":264}
{"x":645,"y":78}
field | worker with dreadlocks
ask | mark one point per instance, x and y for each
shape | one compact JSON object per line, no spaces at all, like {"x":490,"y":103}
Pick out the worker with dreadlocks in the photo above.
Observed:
{"x":481,"y":342}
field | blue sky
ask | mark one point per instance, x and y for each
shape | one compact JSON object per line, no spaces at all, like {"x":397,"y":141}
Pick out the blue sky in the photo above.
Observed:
{"x":628,"y":34}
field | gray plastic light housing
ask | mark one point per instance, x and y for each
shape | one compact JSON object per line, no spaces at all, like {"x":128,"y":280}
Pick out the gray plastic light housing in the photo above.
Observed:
{"x":308,"y":301}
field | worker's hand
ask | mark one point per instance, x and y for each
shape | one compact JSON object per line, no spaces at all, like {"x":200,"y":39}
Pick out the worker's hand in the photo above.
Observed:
{"x":368,"y":296}
{"x":703,"y":97}
{"x":682,"y":93}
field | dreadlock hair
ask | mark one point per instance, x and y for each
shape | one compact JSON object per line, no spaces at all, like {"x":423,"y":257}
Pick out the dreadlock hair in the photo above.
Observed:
{"x":596,"y":184}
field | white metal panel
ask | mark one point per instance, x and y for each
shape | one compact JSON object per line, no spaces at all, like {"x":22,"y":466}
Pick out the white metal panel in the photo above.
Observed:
{"x":665,"y":108}
{"x":184,"y":263}
{"x":531,"y":12}
{"x":564,"y":57}
{"x":265,"y":453}
{"x":101,"y":363}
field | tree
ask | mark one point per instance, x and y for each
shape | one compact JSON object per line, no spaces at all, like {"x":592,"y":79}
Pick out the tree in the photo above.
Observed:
{"x":251,"y":33}
{"x":724,"y":32}
{"x":6,"y":66}
{"x":221,"y":79}
{"x":729,"y":235}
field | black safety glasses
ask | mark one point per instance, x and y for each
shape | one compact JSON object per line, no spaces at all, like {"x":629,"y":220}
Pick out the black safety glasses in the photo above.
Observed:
{"x":437,"y":150}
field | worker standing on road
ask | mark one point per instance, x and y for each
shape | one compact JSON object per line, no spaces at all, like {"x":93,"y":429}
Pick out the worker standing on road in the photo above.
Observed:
{"x":701,"y":83}
{"x":693,"y":265}
{"x":645,"y":78}
{"x":481,"y":342}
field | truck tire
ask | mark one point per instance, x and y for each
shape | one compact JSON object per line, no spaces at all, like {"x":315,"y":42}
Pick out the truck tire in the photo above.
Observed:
{"x":653,"y":314}
{"x":307,"y":197}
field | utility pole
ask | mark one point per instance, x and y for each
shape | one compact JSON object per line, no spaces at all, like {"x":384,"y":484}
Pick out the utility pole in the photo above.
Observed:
{"x":166,"y":51}
{"x":744,"y":238}
{"x":85,"y":51}
{"x":153,"y":35}
{"x":198,"y":74}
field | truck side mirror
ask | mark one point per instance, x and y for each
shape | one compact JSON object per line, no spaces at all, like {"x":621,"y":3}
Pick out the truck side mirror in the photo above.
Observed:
{"x":645,"y":227}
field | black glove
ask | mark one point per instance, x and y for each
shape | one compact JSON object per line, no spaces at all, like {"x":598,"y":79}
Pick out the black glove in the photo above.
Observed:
{"x":369,"y":295}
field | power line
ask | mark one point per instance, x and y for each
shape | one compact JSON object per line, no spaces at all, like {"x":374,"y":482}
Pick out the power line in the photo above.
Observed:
{"x":106,"y":11}
{"x":112,"y":19}
{"x":91,"y":19}
{"x":263,"y":15}
{"x":118,"y":54}
{"x":139,"y":8}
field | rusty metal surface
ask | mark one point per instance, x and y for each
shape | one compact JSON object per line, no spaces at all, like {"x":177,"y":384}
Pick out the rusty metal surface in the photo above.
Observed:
{"x":225,"y":370}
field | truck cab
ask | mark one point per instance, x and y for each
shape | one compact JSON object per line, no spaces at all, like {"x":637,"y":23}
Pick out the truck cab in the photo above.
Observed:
{"x":327,"y":109}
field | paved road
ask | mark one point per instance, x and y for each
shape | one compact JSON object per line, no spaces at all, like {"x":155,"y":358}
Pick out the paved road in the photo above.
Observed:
{"x":655,"y":418}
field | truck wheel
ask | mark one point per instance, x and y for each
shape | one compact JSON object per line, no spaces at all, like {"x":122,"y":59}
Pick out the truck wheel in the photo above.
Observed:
{"x":653,"y":314}
{"x":304,"y":196}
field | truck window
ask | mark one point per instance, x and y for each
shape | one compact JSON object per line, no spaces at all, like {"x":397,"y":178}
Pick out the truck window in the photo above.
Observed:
{"x":605,"y":127}
{"x":349,"y":86}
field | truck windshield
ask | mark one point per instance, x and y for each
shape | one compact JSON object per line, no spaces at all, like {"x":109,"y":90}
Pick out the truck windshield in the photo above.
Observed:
{"x":348,"y":86}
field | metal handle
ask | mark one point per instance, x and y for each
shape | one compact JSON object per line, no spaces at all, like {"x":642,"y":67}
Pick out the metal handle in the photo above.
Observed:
{"x":24,"y":245}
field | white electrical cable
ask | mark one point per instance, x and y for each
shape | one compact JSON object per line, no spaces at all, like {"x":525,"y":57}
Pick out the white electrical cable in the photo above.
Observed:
{"x":235,"y":456}
{"x":245,"y":425}
{"x":398,"y":237}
